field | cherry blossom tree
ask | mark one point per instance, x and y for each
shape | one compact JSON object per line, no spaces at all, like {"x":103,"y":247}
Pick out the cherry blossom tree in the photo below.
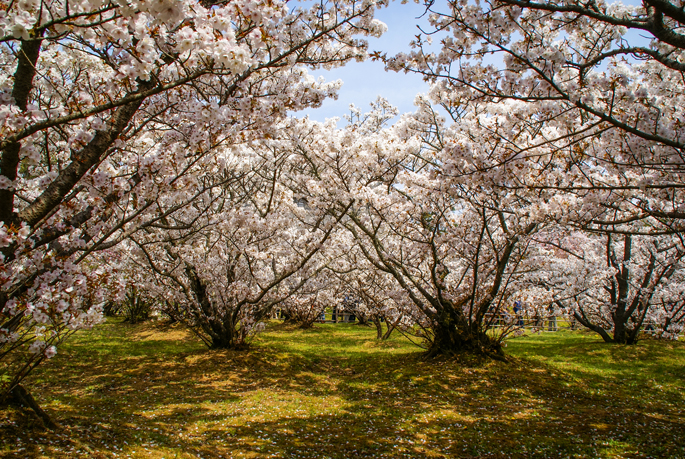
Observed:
{"x":590,"y":94}
{"x":118,"y":118}
{"x":308,"y":304}
{"x":453,"y":249}
{"x":454,"y":275}
{"x":617,"y":284}
{"x":669,"y":319}
{"x":573,"y":108}
{"x":226,"y":272}
{"x":641,"y":267}
{"x":373,"y":296}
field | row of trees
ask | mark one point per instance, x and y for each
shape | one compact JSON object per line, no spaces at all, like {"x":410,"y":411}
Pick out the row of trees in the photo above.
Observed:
{"x":148,"y":144}
{"x":127,"y":126}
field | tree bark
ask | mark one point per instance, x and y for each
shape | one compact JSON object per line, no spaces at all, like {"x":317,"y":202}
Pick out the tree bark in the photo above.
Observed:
{"x":454,"y":335}
{"x":221,"y":333}
{"x":23,"y":83}
{"x":379,"y":327}
{"x":22,"y":397}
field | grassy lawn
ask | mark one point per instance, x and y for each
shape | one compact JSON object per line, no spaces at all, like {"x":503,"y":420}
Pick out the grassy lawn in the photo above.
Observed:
{"x":334,"y":391}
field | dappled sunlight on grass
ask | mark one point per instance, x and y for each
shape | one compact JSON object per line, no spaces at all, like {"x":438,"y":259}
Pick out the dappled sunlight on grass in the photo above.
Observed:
{"x":334,"y":391}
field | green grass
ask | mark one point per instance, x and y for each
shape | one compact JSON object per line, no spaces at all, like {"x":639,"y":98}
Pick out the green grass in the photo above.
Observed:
{"x":334,"y":391}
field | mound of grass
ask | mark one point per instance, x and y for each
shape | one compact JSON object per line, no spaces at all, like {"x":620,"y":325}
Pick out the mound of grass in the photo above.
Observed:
{"x":333,"y":391}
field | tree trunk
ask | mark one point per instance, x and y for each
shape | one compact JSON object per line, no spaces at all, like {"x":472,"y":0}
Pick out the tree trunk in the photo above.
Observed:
{"x":223,"y":341}
{"x":22,"y":397}
{"x":362,"y":320}
{"x":379,"y":327}
{"x":388,"y":332}
{"x":621,"y":333}
{"x":288,"y":318}
{"x":221,"y":329}
{"x":454,"y":335}
{"x":23,"y":84}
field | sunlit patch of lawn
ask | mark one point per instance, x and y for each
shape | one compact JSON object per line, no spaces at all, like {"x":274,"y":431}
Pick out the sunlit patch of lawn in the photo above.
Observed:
{"x":333,"y":391}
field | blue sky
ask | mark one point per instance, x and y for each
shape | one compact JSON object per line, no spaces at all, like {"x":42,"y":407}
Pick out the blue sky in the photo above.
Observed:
{"x":364,"y":81}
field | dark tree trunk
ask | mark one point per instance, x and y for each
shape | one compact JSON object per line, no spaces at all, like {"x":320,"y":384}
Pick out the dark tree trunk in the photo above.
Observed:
{"x":362,"y":320}
{"x":288,"y":318}
{"x":595,"y":328}
{"x":23,"y":84}
{"x":221,"y":328}
{"x":379,"y":327}
{"x":20,"y":396}
{"x":223,"y":341}
{"x":388,"y":332}
{"x":453,"y":335}
{"x":622,"y":334}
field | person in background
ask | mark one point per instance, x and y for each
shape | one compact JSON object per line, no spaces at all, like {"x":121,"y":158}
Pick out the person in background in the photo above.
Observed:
{"x":552,"y":318}
{"x":517,"y":310}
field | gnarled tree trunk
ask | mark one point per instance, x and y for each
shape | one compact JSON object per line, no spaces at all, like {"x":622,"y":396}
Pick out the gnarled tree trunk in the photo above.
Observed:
{"x":453,"y":334}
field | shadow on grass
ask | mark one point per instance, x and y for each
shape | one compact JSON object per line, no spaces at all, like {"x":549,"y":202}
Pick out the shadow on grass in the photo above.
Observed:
{"x":333,"y":391}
